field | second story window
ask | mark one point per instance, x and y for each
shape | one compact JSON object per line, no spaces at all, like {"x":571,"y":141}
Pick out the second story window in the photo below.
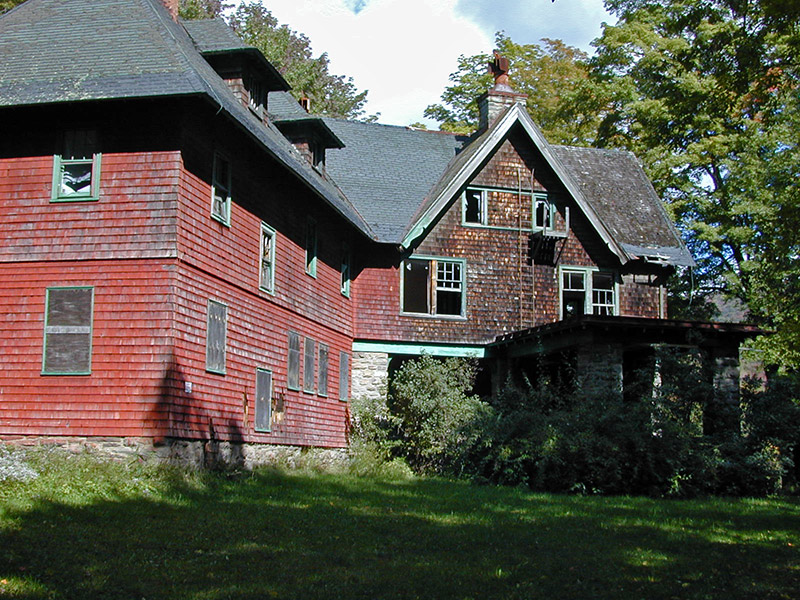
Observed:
{"x":221,"y":190}
{"x":433,"y":287}
{"x":311,"y":248}
{"x":267,"y":259}
{"x":586,"y":290}
{"x":346,"y":272}
{"x":76,"y":171}
{"x":544,"y":213}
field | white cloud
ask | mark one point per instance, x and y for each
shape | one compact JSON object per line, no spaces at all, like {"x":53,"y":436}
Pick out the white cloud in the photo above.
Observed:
{"x":403,"y":51}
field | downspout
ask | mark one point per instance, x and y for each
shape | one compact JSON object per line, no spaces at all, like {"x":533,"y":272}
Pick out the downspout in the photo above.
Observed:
{"x":519,"y":244}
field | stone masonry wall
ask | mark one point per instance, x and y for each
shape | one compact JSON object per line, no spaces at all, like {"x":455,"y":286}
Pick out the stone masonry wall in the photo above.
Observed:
{"x":370,"y":375}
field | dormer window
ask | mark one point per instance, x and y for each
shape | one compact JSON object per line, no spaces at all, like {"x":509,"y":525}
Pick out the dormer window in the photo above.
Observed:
{"x":256,"y":94}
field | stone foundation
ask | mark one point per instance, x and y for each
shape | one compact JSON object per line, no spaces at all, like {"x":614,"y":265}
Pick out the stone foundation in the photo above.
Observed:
{"x":370,"y":375}
{"x":599,"y":370}
{"x":196,"y":454}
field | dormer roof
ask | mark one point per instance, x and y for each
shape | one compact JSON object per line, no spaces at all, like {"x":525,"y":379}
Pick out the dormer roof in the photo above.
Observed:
{"x":128,"y":49}
{"x":293,"y":120}
{"x":220,"y":45}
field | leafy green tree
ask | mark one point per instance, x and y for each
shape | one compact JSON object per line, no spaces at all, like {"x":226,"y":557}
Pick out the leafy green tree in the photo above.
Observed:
{"x":201,"y":9}
{"x":6,"y":5}
{"x":547,"y":73}
{"x":290,"y":51}
{"x":706,"y":93}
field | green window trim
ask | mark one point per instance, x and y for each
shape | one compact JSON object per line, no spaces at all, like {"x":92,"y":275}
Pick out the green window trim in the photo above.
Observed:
{"x":262,"y":417}
{"x":64,"y":167}
{"x":587,"y":288}
{"x":269,"y":238}
{"x":475,"y":207}
{"x":445,"y":283}
{"x":216,"y":337}
{"x":221,"y":190}
{"x":293,"y":362}
{"x":73,"y":326}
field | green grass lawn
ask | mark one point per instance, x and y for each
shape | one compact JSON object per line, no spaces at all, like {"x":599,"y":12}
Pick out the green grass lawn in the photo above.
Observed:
{"x":88,"y":530}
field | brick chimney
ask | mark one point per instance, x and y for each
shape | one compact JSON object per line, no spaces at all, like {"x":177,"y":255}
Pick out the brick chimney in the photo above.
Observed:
{"x":492,"y":103}
{"x":172,"y":8}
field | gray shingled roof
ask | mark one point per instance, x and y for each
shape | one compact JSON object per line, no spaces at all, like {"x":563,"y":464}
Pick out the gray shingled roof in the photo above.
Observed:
{"x":54,"y":51}
{"x":290,"y":117}
{"x":214,"y":35}
{"x":619,"y":191}
{"x":387,"y":171}
{"x":284,"y":106}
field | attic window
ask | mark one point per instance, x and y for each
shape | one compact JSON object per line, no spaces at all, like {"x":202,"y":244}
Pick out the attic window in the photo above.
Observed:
{"x":544,"y":213}
{"x":475,"y":207}
{"x":433,"y":287}
{"x":221,"y":190}
{"x":256,"y":94}
{"x":76,"y":171}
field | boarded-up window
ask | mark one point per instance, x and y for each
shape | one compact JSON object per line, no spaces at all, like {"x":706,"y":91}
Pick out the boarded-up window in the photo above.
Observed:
{"x":293,"y":367}
{"x":322,"y":383}
{"x":308,"y":366}
{"x":216,"y":333}
{"x":344,"y":376}
{"x":68,"y":331}
{"x":263,"y":400}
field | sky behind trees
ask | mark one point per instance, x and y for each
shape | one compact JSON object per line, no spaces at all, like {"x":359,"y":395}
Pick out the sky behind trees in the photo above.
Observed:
{"x":403,"y":51}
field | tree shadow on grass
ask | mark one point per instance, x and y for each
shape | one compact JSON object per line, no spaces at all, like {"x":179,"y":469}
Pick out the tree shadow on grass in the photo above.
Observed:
{"x":274,"y":535}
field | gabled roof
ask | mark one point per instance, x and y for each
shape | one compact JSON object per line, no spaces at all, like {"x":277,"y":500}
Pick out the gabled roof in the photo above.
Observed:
{"x":387,"y":170}
{"x":55,"y":51}
{"x":467,"y":164}
{"x":613,"y":182}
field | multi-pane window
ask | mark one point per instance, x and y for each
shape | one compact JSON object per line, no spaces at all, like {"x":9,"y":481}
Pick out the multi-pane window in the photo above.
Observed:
{"x":311,"y":248}
{"x":475,"y":206}
{"x":221,"y":189}
{"x":587,"y":291}
{"x":573,"y":293}
{"x":68,"y":331}
{"x":433,"y":286}
{"x":544,"y":213}
{"x":263,"y":416}
{"x":602,"y":293}
{"x":344,"y":376}
{"x":322,"y":377}
{"x":267,"y":259}
{"x":76,"y":171}
{"x":308,"y":365}
{"x":216,"y":333}
{"x":346,"y":272}
{"x":293,"y":367}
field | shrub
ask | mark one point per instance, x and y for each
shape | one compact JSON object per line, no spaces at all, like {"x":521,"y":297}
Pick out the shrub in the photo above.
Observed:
{"x":436,"y":415}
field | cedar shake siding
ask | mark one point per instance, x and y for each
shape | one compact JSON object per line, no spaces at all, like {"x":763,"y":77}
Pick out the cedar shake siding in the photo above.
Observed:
{"x":153,"y":256}
{"x":508,"y":288}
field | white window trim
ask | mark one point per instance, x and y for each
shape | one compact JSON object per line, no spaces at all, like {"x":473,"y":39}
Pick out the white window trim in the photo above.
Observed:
{"x":588,"y":306}
{"x":434,"y":260}
{"x":268,"y":286}
{"x":226,"y":218}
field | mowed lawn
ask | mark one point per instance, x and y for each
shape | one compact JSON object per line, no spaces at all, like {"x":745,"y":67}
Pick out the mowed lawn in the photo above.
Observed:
{"x":89,"y":530}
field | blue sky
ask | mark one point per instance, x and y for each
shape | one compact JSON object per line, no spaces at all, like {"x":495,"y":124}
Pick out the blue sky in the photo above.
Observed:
{"x":403,"y":51}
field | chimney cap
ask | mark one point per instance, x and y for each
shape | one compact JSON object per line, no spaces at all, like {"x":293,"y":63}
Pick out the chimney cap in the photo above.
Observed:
{"x":499,"y":67}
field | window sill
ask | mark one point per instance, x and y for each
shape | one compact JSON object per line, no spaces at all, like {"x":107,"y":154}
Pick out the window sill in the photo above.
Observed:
{"x":61,"y":199}
{"x":429,"y":316}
